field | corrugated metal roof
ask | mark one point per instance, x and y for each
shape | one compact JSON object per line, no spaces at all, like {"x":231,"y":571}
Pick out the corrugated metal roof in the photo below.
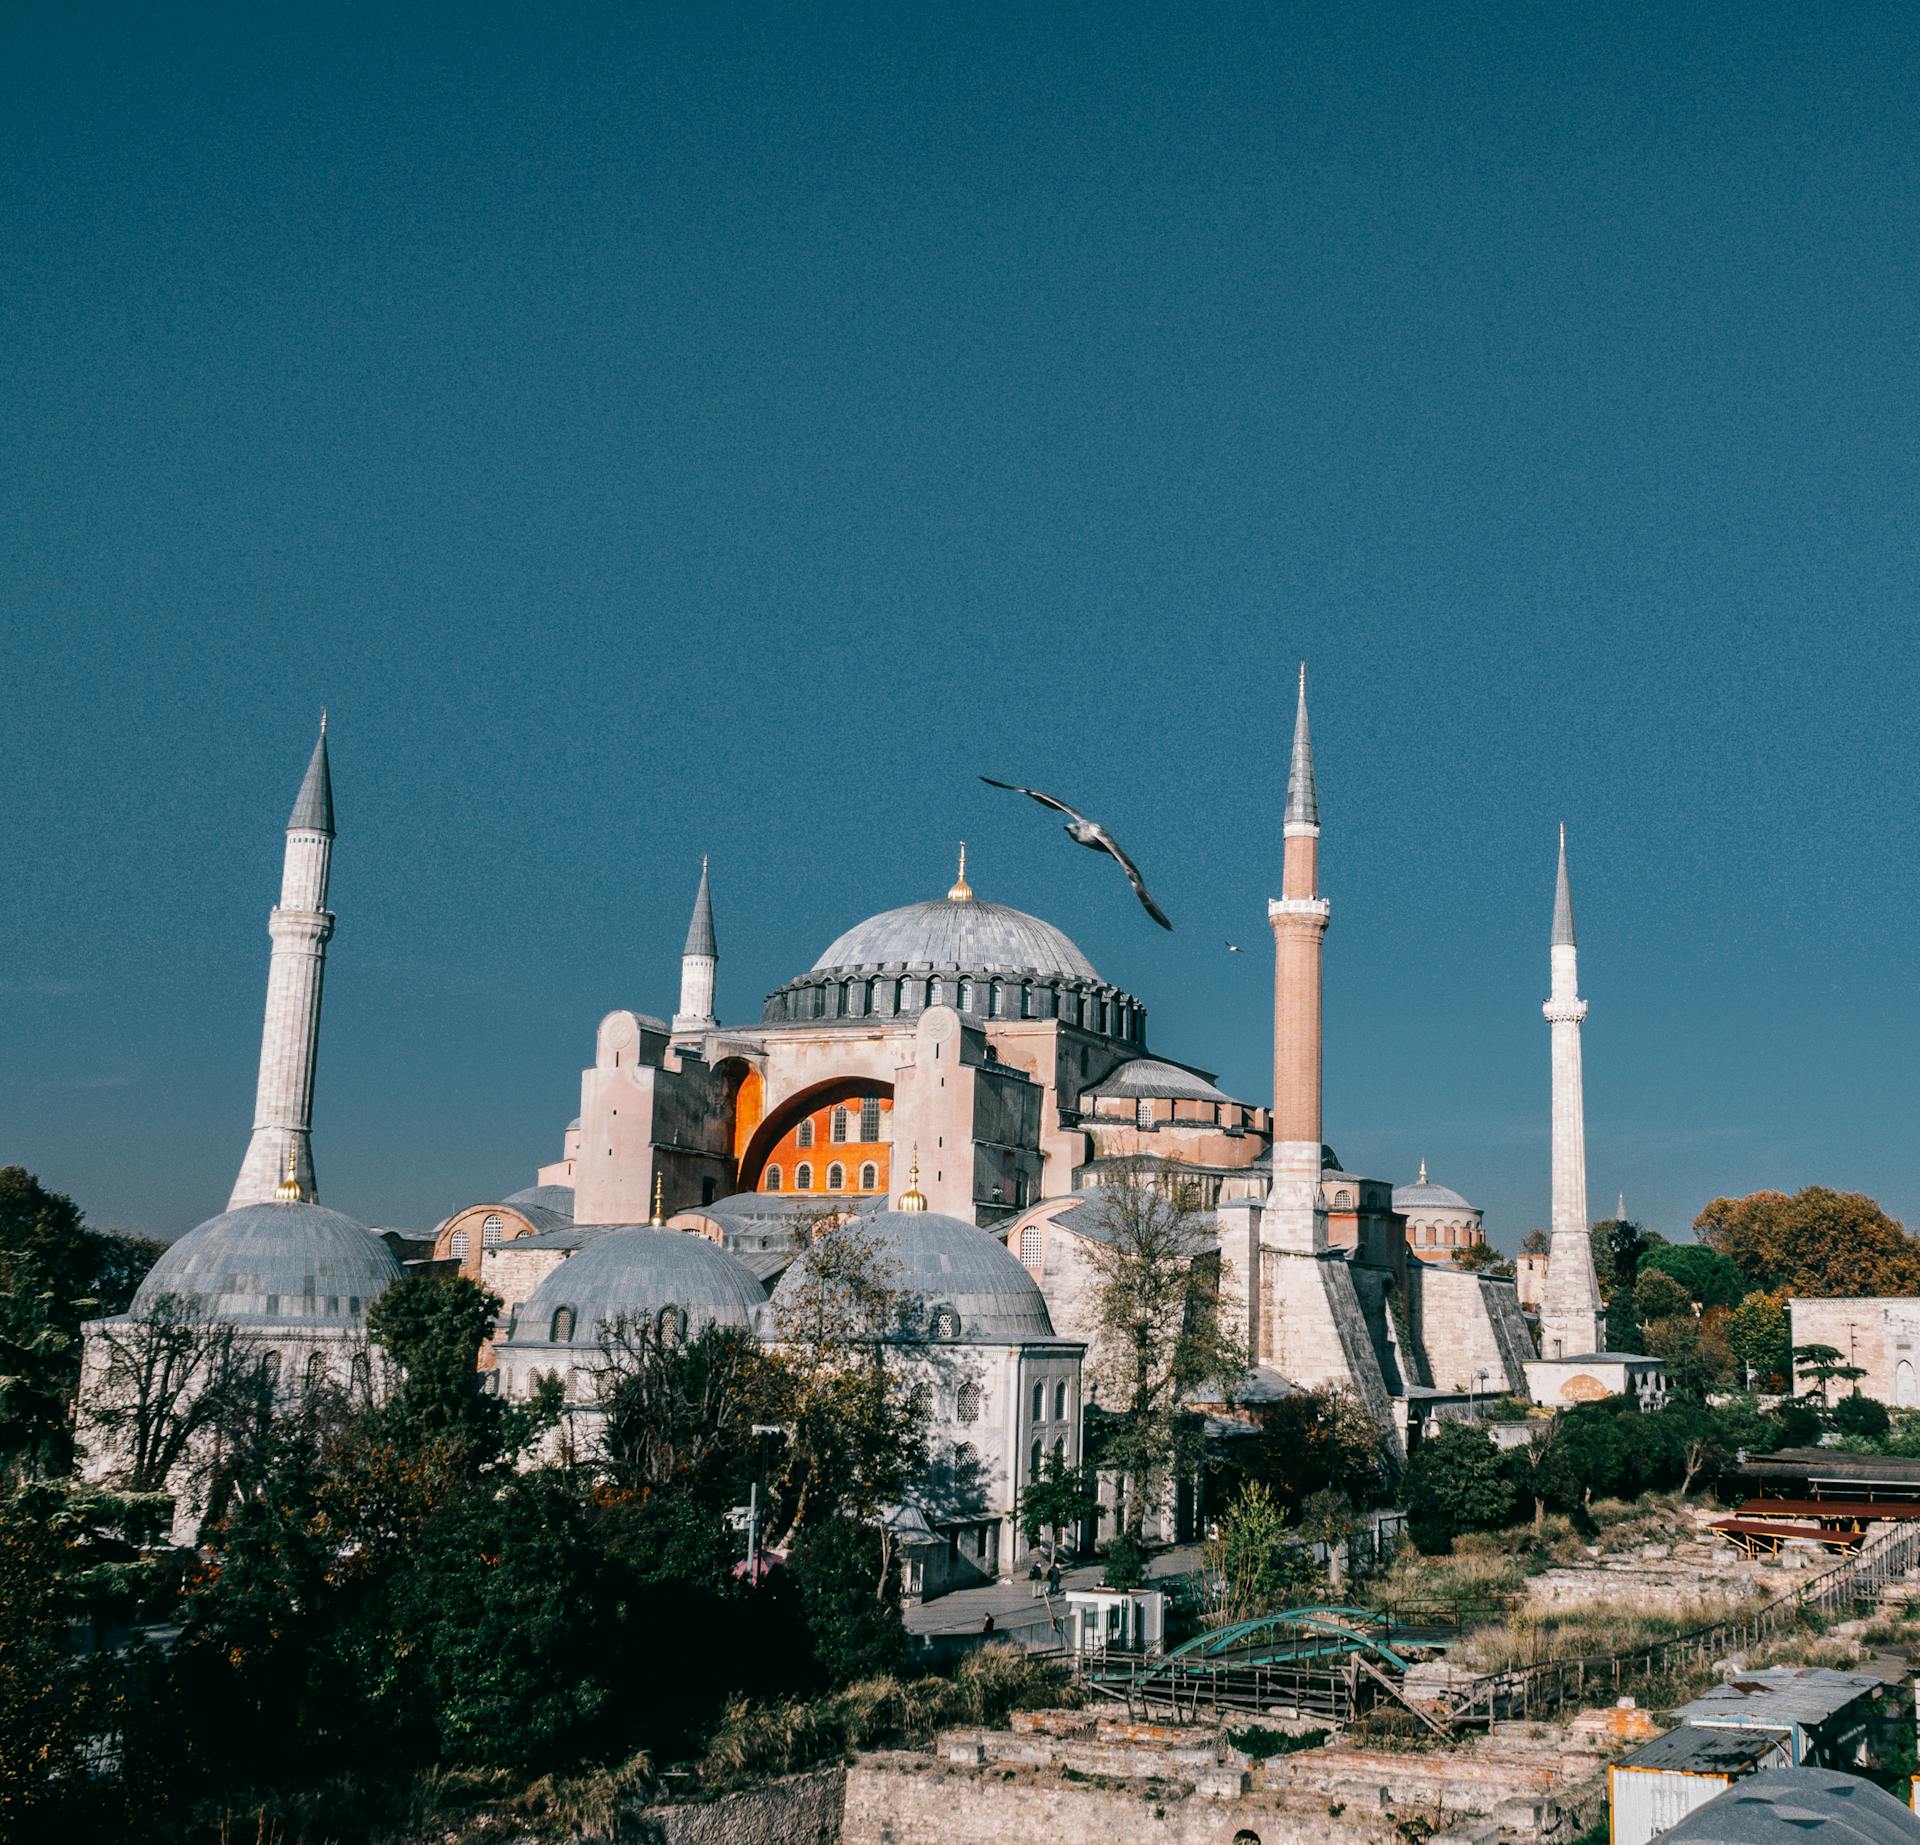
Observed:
{"x":1696,"y":1749}
{"x":1776,"y":1696}
{"x":1781,"y":1806}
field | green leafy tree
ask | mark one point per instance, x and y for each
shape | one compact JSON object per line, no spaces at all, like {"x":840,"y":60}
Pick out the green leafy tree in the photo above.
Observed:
{"x":1160,"y":1341}
{"x":1618,"y":1244}
{"x":1060,"y":1500}
{"x":1252,"y":1565}
{"x":1707,"y":1278}
{"x":1826,"y":1365}
{"x":1330,"y":1518}
{"x":680,"y":1412}
{"x":1861,"y":1417}
{"x":39,"y":1361}
{"x":1311,"y":1441}
{"x":1483,"y":1259}
{"x":1817,"y":1243}
{"x":1759,"y":1336}
{"x":89,"y":1272}
{"x":1696,"y":1353}
{"x":1455,"y":1483}
{"x":1536,"y":1242}
{"x":1658,"y":1295}
{"x":855,"y":1633}
{"x":1126,"y":1562}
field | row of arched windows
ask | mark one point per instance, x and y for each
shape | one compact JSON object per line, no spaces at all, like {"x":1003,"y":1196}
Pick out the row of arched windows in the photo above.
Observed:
{"x":491,"y":1231}
{"x":774,"y":1179}
{"x":1059,"y":1401}
{"x":1443,"y":1236}
{"x":314,"y":1375}
{"x":1114,"y":1014}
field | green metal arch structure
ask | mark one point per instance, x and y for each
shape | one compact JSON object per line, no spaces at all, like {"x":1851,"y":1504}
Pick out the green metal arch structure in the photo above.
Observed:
{"x":1330,"y":1621}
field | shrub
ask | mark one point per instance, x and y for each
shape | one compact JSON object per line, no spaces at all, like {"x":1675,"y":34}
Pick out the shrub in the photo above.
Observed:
{"x":1858,"y":1415}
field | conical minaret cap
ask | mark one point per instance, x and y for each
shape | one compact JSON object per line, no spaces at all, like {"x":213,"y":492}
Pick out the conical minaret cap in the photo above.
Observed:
{"x":313,"y":809}
{"x":1303,"y":803}
{"x":1562,"y":900}
{"x":700,"y":936}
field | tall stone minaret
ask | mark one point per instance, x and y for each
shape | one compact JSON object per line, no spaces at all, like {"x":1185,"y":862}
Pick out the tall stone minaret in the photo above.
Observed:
{"x":698,"y":962}
{"x":282,"y":1145}
{"x":1296,"y":1216}
{"x":1570,"y":1319}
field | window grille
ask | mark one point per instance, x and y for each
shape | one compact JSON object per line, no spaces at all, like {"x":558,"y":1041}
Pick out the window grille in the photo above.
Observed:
{"x":773,"y":1178}
{"x":561,"y":1331}
{"x":966,"y":1403}
{"x":837,"y":1125}
{"x":1030,"y":1246}
{"x":457,"y":1248}
{"x":870,"y":1118}
{"x":316,"y":1370}
{"x":803,"y":1135}
{"x":836,"y":1177}
{"x":869,"y":1177}
{"x":1060,"y":1402}
{"x":490,"y":1230}
{"x":803,"y":1177}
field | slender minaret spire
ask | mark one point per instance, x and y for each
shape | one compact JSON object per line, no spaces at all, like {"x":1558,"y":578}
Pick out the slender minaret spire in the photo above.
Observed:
{"x":1570,"y":1321}
{"x":280,"y":1154}
{"x":1296,"y":1215}
{"x":699,"y":961}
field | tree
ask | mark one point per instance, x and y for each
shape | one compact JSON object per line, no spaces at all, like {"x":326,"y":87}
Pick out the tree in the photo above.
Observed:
{"x":679,"y":1413}
{"x":856,"y":1632}
{"x":1861,"y":1417}
{"x":1060,"y":1499}
{"x":1658,"y":1295}
{"x":90,"y":1272}
{"x":846,"y":1384}
{"x":1482,"y":1259}
{"x":1329,"y":1518}
{"x":1618,"y":1244}
{"x":1816,"y":1243}
{"x":1705,"y":1276}
{"x":170,"y":1383}
{"x":1160,"y":1341}
{"x":1696,"y":1353}
{"x":1455,"y":1483}
{"x":1536,"y":1242}
{"x":1758,"y":1333}
{"x":1251,"y":1565}
{"x":1826,"y":1365}
{"x":1313,"y":1440}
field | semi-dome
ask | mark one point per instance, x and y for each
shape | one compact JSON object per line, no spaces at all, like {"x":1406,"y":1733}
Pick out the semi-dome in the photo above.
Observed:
{"x":968,"y":933}
{"x":639,"y":1272}
{"x":274,"y":1264}
{"x":959,"y":1282}
{"x":555,"y":1198}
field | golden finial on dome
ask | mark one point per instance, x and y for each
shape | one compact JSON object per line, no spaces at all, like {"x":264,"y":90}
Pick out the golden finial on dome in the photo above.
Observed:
{"x":1423,"y":1172}
{"x":659,"y":1217}
{"x":913,"y":1199}
{"x":962,"y":891}
{"x":288,"y":1190}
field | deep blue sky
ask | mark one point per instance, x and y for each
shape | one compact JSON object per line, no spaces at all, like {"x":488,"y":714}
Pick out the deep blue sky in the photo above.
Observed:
{"x":698,"y":427}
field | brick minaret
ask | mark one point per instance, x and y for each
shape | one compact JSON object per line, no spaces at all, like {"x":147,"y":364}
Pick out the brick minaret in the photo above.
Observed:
{"x":1570,"y":1324}
{"x":282,"y":1143}
{"x":698,"y":962}
{"x":1296,"y":1214}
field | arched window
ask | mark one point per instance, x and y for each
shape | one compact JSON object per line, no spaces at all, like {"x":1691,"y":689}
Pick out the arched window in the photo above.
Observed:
{"x":1039,"y":1402}
{"x":316,"y":1370}
{"x":803,"y":1177}
{"x":361,"y":1375}
{"x":270,"y":1370}
{"x":999,"y":999}
{"x":836,"y":1177}
{"x":673,"y":1324}
{"x":803,"y":1134}
{"x":772,"y":1180}
{"x":945,"y":1323}
{"x":1343,"y":1201}
{"x":870,"y":1118}
{"x":936,"y":991}
{"x":1033,"y":1460}
{"x":869,"y":1177}
{"x":1060,"y":1401}
{"x":457,"y":1246}
{"x":561,"y":1331}
{"x":837,"y":1124}
{"x":1030,"y":1246}
{"x":966,"y":996}
{"x":490,"y":1230}
{"x":966,"y":1402}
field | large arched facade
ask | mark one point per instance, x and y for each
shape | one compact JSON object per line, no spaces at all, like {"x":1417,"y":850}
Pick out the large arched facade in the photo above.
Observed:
{"x":833,"y":1137}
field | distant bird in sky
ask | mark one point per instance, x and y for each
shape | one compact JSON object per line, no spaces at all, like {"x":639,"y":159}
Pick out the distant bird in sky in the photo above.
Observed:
{"x":1095,"y":837}
{"x":1233,"y":948}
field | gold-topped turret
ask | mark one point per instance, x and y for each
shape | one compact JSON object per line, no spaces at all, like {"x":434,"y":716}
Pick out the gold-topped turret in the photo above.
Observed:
{"x":288,"y":1190}
{"x":961,"y":891}
{"x":659,"y":1217}
{"x":913,"y":1198}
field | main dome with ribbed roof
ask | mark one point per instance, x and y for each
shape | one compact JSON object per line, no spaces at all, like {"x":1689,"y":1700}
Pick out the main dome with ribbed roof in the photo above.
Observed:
{"x":964,"y":934}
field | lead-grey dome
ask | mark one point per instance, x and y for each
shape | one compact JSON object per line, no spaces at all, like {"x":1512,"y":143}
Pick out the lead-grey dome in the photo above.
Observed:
{"x":940,"y":1262}
{"x":1426,"y":1197}
{"x":967,"y":934}
{"x":555,"y":1198}
{"x":274,"y":1264}
{"x":637,"y":1271}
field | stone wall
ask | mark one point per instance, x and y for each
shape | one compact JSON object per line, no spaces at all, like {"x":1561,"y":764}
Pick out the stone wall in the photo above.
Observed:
{"x":800,"y":1810}
{"x":1470,"y":1330}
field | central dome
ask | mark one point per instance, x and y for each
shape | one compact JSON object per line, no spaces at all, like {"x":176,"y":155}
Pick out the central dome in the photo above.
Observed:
{"x":968,"y":933}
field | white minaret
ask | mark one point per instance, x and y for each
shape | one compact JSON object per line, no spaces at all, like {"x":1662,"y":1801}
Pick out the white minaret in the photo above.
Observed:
{"x":1570,"y":1320}
{"x":281,"y":1149}
{"x":699,"y":961}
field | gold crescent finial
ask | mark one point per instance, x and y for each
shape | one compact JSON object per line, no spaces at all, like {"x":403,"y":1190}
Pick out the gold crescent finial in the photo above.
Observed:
{"x":962,"y":891}
{"x":1423,"y":1172}
{"x":913,"y":1199}
{"x":288,"y":1190}
{"x":659,"y":1200}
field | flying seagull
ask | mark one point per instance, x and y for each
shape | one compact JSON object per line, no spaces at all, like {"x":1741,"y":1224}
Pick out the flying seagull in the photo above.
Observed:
{"x":1095,"y":837}
{"x":1233,"y":948}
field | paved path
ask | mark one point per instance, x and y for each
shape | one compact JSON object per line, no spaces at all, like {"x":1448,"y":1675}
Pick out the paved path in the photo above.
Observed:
{"x":1017,"y":1611}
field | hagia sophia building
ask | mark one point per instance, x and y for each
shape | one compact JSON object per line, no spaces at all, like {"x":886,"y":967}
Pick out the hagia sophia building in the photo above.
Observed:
{"x":959,"y":1074}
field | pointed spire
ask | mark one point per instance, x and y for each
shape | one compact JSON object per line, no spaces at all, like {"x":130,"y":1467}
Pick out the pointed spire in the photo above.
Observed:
{"x":1303,"y":803}
{"x":313,"y":810}
{"x":659,"y":1217}
{"x":961,"y":891}
{"x":1423,"y":1172}
{"x":1620,"y":1210}
{"x":1562,"y":899}
{"x":700,"y":936}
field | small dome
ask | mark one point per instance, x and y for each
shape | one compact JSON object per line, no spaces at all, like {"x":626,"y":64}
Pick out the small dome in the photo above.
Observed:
{"x":1148,"y":1076}
{"x":940,"y":1262}
{"x":555,"y":1198}
{"x":966,"y":934}
{"x":1425,"y":1197}
{"x":279,"y":1263}
{"x":635,"y":1270}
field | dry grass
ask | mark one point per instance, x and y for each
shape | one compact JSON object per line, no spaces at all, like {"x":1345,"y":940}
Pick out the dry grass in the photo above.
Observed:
{"x":1586,"y":1628}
